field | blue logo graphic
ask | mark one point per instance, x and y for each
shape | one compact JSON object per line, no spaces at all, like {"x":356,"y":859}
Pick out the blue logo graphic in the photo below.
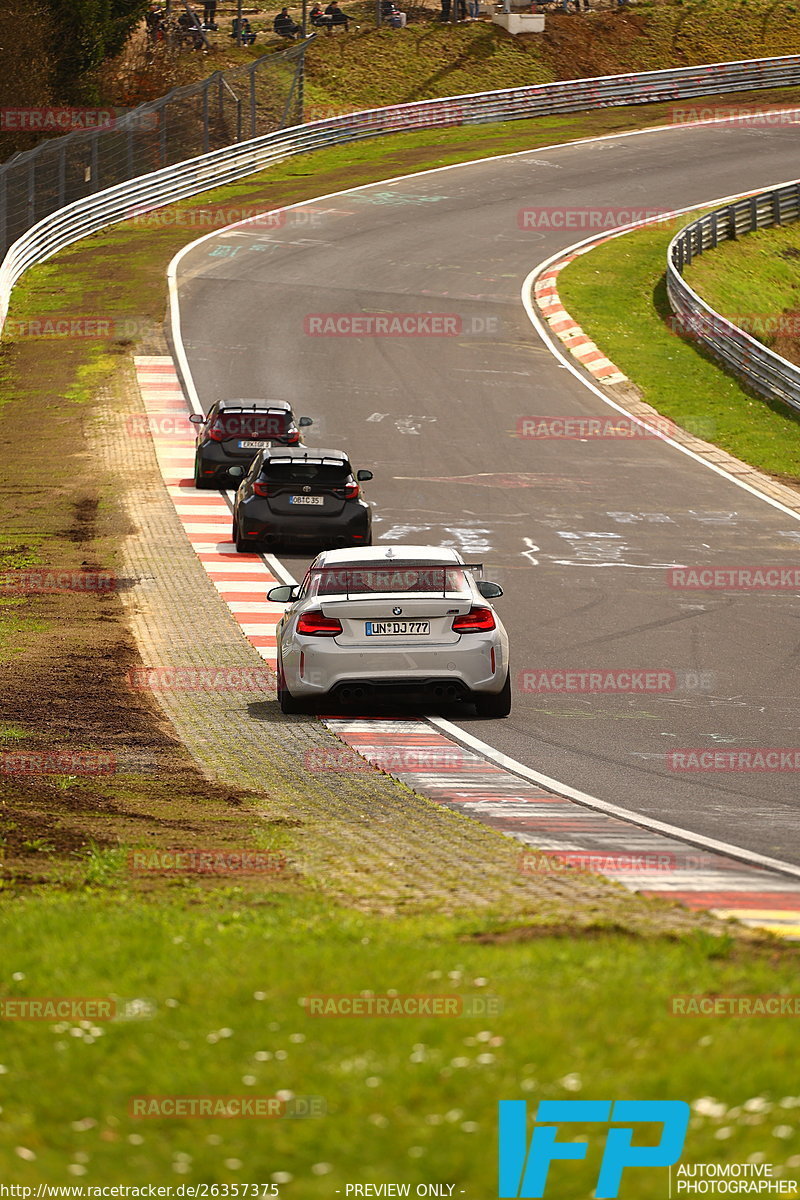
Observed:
{"x":524,"y":1168}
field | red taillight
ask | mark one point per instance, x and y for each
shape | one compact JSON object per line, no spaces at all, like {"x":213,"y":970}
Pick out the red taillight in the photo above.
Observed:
{"x":292,"y":439}
{"x":261,"y":489}
{"x":477,"y":620}
{"x":314,"y":624}
{"x":352,"y":491}
{"x":217,"y":432}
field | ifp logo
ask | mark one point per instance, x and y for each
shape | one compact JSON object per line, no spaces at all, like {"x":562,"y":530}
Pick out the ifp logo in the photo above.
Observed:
{"x":524,"y":1168}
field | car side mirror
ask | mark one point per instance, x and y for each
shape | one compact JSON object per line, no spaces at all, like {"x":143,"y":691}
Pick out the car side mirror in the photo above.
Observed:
{"x":489,"y":591}
{"x":283,"y":594}
{"x":363,"y":476}
{"x":196,"y":418}
{"x":304,"y":421}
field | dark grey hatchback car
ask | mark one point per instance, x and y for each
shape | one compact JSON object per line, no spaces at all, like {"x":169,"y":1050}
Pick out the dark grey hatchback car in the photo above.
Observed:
{"x":296,"y":494}
{"x":232,"y":433}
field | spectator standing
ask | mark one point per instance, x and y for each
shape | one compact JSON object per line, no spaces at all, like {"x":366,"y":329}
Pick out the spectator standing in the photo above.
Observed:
{"x":210,"y":14}
{"x":154,"y":20}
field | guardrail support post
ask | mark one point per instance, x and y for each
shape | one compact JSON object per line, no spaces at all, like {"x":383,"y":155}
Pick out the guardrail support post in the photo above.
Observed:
{"x":32,"y":193}
{"x":253,"y":101}
{"x":62,"y":177}
{"x":3,"y":211}
{"x":162,"y":138}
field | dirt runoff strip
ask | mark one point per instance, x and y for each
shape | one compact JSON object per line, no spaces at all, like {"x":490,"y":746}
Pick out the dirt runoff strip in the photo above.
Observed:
{"x":361,"y":837}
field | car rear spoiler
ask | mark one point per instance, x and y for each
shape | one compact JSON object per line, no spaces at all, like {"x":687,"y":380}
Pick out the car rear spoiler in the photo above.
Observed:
{"x":344,"y":575}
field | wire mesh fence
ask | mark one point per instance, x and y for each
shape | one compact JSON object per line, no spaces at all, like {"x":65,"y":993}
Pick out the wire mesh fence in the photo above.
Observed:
{"x":228,"y":107}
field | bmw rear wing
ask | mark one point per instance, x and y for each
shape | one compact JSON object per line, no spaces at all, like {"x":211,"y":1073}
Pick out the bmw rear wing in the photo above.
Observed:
{"x":389,"y":578}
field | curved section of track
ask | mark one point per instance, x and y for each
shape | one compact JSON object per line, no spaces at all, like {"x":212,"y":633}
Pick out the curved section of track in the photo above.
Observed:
{"x":580,"y":533}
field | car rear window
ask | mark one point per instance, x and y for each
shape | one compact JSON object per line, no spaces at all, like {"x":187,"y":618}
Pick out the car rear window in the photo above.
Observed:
{"x":284,"y":471}
{"x":252,"y":425}
{"x":399,"y":579}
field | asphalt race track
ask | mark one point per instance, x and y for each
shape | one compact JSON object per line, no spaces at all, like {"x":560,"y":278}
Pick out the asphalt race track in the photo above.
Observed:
{"x":580,"y":533}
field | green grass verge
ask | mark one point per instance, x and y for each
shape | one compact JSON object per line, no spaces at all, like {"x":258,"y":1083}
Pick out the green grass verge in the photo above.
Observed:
{"x":408,"y":1099}
{"x":617,"y":294}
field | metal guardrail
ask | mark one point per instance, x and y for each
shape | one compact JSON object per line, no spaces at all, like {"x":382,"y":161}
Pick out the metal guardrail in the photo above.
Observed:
{"x":761,"y":368}
{"x":174,"y":183}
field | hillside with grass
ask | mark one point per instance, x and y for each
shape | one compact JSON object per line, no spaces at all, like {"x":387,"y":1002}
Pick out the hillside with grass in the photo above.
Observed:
{"x":428,"y":59}
{"x":370,"y":66}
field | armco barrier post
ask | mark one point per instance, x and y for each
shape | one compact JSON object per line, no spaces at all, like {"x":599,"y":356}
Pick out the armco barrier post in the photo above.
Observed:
{"x":766,"y":372}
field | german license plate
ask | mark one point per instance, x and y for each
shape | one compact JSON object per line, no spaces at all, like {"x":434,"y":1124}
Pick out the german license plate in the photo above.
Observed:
{"x":396,"y":628}
{"x":253,"y":445}
{"x":306,"y":499}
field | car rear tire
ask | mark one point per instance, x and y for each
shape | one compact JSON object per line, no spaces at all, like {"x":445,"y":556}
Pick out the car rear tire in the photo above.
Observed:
{"x":289,"y":704}
{"x":490,"y":705}
{"x":242,"y":547}
{"x":199,"y":482}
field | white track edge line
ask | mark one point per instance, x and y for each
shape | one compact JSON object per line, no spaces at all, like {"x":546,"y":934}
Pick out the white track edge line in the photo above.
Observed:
{"x":583,"y":798}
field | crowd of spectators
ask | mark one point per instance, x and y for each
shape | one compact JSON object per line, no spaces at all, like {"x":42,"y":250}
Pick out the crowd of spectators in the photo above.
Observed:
{"x":184,"y":24}
{"x":188,"y":27}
